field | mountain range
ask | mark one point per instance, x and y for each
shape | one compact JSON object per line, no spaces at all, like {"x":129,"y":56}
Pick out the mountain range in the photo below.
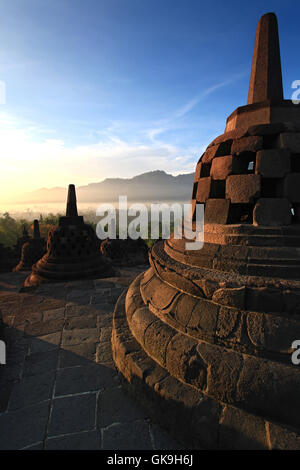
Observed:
{"x":151,"y":186}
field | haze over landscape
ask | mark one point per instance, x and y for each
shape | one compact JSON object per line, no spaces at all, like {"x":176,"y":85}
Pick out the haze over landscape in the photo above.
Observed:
{"x":148,"y":187}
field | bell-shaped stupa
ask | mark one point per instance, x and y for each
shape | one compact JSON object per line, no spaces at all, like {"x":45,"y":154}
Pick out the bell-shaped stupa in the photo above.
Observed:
{"x":72,"y":251}
{"x":32,"y":250}
{"x":126,"y":252}
{"x":205,"y":336}
{"x":21,"y":240}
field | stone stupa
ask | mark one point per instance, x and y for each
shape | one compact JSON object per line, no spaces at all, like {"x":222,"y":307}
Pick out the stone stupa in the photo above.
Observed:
{"x":204,"y":337}
{"x":21,"y":240}
{"x":32,"y":250}
{"x":126,"y":252}
{"x":72,"y":251}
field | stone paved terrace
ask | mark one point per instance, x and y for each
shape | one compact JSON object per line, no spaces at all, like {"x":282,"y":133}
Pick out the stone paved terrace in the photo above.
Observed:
{"x":59,"y":388}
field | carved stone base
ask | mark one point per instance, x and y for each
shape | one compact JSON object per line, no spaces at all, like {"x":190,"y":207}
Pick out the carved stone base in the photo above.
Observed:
{"x":212,"y":359}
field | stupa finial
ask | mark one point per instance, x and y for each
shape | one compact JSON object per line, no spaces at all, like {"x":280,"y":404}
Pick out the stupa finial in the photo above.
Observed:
{"x":266,"y":79}
{"x":71,"y":202}
{"x":36,"y":229}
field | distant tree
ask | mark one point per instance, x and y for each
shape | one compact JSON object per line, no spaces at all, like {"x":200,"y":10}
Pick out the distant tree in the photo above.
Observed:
{"x":8,"y":230}
{"x":51,"y":219}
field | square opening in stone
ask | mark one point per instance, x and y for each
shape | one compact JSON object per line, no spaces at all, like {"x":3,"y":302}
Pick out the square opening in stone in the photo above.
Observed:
{"x":271,"y":187}
{"x":224,"y":148}
{"x":241,"y":214}
{"x":295,"y":162}
{"x":205,"y":170}
{"x":269,"y":141}
{"x":246,"y":162}
{"x":218,"y":189}
{"x":194,"y":190}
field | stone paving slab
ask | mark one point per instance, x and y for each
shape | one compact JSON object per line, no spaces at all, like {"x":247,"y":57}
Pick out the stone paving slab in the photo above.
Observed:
{"x":60,"y":388}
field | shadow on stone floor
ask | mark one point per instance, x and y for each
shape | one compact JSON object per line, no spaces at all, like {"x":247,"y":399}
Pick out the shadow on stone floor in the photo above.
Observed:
{"x":59,"y":388}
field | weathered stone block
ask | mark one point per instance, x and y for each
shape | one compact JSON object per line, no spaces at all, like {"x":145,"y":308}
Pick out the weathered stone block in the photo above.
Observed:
{"x":272,"y":212}
{"x":229,"y":326}
{"x":221,"y":167}
{"x":156,"y":339}
{"x":272,"y":332}
{"x":229,"y":136}
{"x":240,"y":430}
{"x":234,"y":297}
{"x":209,"y":154}
{"x":243,"y":188}
{"x":223,"y":370}
{"x":184,"y":306}
{"x":290,"y":141}
{"x":208,"y":286}
{"x":203,"y":189}
{"x":216,"y":211}
{"x":291,"y":187}
{"x":73,"y":337}
{"x":291,"y":126}
{"x":203,"y":319}
{"x":281,"y":438}
{"x":183,"y":361}
{"x":269,"y":388}
{"x":218,"y":150}
{"x":247,"y":144}
{"x":291,"y":302}
{"x":140,"y":321}
{"x":224,"y":166}
{"x":264,"y":299}
{"x":266,"y":129}
{"x":274,"y":163}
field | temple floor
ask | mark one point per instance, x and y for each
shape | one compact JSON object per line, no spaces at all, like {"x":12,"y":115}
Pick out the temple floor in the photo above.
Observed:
{"x":60,"y":388}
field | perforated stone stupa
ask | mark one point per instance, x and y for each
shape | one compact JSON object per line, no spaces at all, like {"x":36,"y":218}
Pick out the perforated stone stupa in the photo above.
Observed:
{"x":126,"y":252}
{"x":21,"y":240}
{"x":72,"y":251}
{"x":204,"y":337}
{"x":32,"y":250}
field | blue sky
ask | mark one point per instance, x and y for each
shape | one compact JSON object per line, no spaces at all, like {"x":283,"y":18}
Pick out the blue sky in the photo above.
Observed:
{"x":103,"y":88}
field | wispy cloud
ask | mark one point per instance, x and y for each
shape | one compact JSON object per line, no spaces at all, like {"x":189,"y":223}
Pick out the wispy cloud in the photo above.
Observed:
{"x":204,"y":94}
{"x":170,"y":122}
